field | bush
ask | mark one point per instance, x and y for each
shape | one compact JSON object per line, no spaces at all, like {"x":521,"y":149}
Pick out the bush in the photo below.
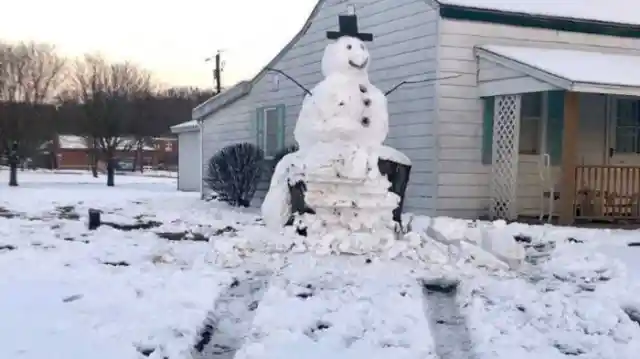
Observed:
{"x":234,"y":173}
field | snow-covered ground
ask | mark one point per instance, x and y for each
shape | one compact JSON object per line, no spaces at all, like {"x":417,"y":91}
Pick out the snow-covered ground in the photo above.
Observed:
{"x":70,"y":293}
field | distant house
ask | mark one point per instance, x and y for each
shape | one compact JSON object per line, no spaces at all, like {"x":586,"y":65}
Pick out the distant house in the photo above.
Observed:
{"x":538,"y":102}
{"x":73,"y":152}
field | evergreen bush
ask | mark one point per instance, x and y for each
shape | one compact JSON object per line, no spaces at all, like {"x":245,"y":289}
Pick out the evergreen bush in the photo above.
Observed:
{"x":234,"y":172}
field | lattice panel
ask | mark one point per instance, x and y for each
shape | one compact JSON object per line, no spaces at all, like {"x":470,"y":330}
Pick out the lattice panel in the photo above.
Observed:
{"x":504,"y":169}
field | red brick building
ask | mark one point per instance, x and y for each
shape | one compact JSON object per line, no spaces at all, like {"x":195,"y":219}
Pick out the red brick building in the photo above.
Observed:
{"x":73,"y":152}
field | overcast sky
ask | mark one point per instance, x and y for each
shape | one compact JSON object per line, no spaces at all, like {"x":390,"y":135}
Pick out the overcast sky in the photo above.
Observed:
{"x":171,"y":38}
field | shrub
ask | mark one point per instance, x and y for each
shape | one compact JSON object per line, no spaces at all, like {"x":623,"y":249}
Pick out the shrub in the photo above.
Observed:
{"x":234,"y":172}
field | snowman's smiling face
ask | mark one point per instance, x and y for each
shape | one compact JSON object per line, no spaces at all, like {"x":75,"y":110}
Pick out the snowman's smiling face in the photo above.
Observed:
{"x":346,"y":55}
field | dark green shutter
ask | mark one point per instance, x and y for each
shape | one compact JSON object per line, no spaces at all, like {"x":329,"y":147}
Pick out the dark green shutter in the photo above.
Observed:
{"x":487,"y":129}
{"x":281,"y":125}
{"x":258,"y":126}
{"x":555,"y":125}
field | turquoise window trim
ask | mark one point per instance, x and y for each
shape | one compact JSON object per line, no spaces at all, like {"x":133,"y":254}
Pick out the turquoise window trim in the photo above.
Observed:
{"x":488,"y":110}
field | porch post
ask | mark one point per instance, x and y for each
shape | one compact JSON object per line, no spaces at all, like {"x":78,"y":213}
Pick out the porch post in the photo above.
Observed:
{"x":504,"y":167}
{"x":569,"y":157}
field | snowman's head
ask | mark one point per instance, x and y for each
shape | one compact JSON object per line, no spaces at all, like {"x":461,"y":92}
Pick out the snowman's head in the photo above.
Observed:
{"x":348,"y":55}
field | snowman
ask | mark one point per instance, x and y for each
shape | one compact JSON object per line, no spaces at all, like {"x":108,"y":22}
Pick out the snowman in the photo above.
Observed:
{"x":340,"y":132}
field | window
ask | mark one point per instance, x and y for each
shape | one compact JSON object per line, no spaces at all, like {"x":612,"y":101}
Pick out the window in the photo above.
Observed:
{"x":531,"y":109}
{"x":270,"y":129}
{"x":627,"y":113}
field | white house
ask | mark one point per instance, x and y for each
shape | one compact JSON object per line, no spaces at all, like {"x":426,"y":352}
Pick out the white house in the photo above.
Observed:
{"x":532,"y":97}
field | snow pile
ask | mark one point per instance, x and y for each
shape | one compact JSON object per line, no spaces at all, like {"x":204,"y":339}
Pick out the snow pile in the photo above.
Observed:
{"x":571,"y":305}
{"x":432,"y":243}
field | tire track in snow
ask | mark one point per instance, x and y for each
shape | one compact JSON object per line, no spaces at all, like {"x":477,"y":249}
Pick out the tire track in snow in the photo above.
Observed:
{"x":448,"y":326}
{"x":229,"y":322}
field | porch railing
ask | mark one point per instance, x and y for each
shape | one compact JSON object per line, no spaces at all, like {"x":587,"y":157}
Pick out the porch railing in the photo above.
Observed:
{"x":607,"y":193}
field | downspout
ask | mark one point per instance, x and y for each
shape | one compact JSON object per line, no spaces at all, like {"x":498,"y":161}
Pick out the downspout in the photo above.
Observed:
{"x":201,"y":157}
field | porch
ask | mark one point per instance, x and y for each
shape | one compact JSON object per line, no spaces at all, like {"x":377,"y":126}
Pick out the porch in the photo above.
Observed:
{"x":561,"y":142}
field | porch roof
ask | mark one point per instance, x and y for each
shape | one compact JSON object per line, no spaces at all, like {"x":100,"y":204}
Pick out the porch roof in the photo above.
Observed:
{"x":541,"y":69}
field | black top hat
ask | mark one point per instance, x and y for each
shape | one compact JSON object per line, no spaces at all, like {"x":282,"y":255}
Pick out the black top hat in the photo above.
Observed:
{"x":349,"y":27}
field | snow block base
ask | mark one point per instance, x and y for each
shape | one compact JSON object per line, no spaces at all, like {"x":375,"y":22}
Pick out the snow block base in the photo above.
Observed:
{"x":397,"y":174}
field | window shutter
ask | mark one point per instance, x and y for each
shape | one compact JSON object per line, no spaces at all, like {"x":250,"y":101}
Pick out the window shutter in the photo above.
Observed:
{"x":258,"y":125}
{"x":487,"y":129}
{"x":281,"y":125}
{"x":555,"y":125}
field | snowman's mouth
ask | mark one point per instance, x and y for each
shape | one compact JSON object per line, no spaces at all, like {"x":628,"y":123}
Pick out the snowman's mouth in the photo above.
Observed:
{"x":359,"y":66}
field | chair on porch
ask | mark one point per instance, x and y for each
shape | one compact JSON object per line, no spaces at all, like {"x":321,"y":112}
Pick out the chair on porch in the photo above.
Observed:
{"x":548,"y":195}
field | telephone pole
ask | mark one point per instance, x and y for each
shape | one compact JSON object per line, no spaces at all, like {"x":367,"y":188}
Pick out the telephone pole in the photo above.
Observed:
{"x":217,"y":70}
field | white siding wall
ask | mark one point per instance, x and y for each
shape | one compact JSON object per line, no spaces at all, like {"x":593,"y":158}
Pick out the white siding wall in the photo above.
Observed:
{"x":463,"y":181}
{"x":189,"y":161}
{"x":404,"y":47}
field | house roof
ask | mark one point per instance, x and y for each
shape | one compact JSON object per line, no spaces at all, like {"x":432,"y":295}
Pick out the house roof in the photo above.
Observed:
{"x":611,"y":17}
{"x":188,"y":126}
{"x":243,"y":88}
{"x":607,"y":11}
{"x":573,"y":70}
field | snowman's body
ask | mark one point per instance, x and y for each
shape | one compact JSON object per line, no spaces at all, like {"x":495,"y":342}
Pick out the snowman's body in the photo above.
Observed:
{"x":340,"y":133}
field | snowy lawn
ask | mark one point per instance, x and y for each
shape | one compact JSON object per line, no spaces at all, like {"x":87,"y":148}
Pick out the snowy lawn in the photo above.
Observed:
{"x":70,"y":293}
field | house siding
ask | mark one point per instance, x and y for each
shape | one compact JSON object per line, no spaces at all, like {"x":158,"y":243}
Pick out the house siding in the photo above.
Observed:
{"x":463,"y":181}
{"x":404,"y":47}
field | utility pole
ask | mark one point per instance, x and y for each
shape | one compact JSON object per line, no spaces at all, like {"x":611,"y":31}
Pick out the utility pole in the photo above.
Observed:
{"x":217,"y":70}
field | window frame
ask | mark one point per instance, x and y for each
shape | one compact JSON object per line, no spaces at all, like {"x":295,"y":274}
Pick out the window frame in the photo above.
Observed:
{"x":261,"y":123}
{"x":619,"y":125}
{"x":540,"y":118}
{"x":265,"y":124}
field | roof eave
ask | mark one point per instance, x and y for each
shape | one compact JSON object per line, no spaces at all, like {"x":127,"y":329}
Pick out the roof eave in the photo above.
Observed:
{"x":184,"y":129}
{"x":223,"y":99}
{"x":515,"y":65}
{"x":609,"y":89}
{"x":555,"y":80}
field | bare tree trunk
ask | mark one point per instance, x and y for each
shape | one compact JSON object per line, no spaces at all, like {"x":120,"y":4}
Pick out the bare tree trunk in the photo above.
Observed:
{"x":93,"y":157}
{"x":13,"y":166}
{"x":111,"y":170}
{"x":139,"y":154}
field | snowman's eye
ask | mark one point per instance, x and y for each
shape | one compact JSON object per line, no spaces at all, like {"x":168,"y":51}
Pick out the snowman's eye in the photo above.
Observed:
{"x":349,"y":47}
{"x":362,"y":46}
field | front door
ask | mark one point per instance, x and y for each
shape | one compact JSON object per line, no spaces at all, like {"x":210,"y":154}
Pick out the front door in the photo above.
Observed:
{"x":624,"y":131}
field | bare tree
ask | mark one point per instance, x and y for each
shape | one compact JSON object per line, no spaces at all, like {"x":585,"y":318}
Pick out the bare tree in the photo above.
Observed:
{"x":106,"y":92}
{"x":29,"y":77}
